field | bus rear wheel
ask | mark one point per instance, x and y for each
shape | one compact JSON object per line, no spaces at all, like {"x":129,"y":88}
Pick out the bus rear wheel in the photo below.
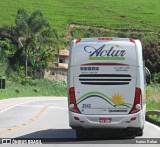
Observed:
{"x":139,"y":132}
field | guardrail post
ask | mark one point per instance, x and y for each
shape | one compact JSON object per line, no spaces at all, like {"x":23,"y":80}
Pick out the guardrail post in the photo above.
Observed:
{"x":2,"y":84}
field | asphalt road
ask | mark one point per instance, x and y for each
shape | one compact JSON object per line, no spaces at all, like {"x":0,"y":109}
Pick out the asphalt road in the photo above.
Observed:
{"x":48,"y":119}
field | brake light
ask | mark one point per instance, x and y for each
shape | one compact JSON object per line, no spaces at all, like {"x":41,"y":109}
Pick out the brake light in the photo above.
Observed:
{"x":72,"y":101}
{"x":104,"y":38}
{"x":72,"y":95}
{"x":132,"y":40}
{"x":78,"y":40}
{"x":137,"y":101}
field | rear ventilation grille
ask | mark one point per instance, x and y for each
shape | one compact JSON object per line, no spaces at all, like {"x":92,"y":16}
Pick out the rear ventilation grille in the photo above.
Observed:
{"x":104,"y":79}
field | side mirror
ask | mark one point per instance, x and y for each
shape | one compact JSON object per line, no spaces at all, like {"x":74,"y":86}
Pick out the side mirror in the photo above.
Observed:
{"x":148,"y":75}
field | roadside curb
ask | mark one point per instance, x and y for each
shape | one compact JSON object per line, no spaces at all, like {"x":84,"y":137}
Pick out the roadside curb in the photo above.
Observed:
{"x":153,"y":112}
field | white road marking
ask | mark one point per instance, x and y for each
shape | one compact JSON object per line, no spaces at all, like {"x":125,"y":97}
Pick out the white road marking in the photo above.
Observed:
{"x":40,"y":106}
{"x":15,"y":106}
{"x":26,"y":103}
{"x":58,"y":108}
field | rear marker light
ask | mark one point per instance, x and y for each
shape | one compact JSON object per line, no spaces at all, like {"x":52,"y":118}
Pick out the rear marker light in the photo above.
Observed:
{"x":132,"y":40}
{"x":78,"y":40}
{"x":133,"y":118}
{"x":76,"y":118}
{"x":104,"y":38}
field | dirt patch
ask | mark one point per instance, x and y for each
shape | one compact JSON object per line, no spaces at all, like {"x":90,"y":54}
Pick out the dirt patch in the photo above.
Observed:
{"x":76,"y":25}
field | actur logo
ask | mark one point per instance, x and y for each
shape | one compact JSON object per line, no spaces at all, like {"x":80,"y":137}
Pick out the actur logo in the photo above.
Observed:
{"x":106,"y":52}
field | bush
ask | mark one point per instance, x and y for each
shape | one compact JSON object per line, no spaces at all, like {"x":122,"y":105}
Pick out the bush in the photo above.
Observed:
{"x":156,"y":77}
{"x":37,"y":87}
{"x":153,"y":93}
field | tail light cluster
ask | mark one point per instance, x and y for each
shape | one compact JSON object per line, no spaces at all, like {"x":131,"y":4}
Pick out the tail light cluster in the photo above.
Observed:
{"x":72,"y":101}
{"x":137,"y":106}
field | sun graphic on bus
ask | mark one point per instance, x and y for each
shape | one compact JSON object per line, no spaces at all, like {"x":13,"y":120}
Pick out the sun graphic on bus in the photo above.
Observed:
{"x":117,"y":99}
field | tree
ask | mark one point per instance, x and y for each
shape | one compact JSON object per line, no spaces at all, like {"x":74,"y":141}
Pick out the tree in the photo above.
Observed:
{"x":59,"y":43}
{"x":5,"y":50}
{"x":33,"y":30}
{"x":33,"y":36}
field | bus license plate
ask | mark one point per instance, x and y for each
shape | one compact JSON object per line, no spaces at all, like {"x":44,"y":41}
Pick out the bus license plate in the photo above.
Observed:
{"x":105,"y":120}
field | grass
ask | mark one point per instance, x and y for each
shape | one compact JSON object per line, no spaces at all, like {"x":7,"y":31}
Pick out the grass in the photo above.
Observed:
{"x":153,"y":106}
{"x":153,"y":97}
{"x":88,"y":32}
{"x":42,"y":87}
{"x":115,"y":14}
{"x":153,"y":119}
{"x":153,"y":102}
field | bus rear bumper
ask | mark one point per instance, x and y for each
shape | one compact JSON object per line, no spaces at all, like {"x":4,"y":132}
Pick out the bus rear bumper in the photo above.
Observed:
{"x":107,"y":121}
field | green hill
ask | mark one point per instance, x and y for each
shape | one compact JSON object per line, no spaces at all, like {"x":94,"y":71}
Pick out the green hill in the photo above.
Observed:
{"x":92,"y":18}
{"x":115,"y":14}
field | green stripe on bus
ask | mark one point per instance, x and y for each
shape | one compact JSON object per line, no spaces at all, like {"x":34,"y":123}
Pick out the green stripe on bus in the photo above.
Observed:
{"x":106,"y":58}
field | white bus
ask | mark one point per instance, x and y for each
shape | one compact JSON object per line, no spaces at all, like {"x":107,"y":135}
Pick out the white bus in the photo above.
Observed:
{"x":106,"y":85}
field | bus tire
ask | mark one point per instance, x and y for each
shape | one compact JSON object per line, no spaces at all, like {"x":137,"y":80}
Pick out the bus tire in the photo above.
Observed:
{"x":139,"y":132}
{"x":80,"y":134}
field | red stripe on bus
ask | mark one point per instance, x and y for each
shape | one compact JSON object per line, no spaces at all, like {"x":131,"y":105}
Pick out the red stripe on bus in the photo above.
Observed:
{"x":105,"y":64}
